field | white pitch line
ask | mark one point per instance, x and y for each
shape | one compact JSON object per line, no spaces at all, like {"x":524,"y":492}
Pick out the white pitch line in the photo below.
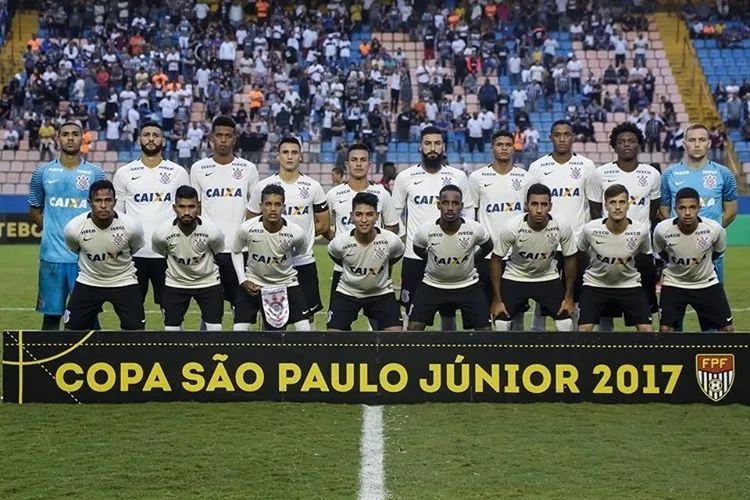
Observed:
{"x":371,"y":472}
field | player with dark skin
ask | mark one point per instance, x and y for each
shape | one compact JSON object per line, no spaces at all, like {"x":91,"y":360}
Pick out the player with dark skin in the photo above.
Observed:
{"x":222,"y":143}
{"x":103,"y":208}
{"x":562,"y":138}
{"x":272,"y":208}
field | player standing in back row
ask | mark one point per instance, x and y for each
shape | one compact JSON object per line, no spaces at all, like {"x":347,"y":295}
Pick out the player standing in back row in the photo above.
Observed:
{"x":145,"y":189}
{"x":224,"y":183}
{"x":59,"y":192}
{"x":568,"y":176}
{"x":304,"y":205}
{"x":416,"y":190}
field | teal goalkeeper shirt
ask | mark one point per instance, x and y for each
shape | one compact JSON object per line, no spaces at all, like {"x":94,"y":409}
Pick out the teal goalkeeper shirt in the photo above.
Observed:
{"x":715,"y":184}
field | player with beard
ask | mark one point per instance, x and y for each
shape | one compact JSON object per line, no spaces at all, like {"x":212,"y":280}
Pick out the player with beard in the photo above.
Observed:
{"x":145,"y":189}
{"x":339,"y":200}
{"x":568,"y":176}
{"x":643,"y":183}
{"x":416,"y":191}
{"x":58,"y":192}
{"x":304,"y":205}
{"x":224,"y":183}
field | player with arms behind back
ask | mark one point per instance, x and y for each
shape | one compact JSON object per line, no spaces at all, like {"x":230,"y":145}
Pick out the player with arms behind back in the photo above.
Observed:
{"x":224,"y":183}
{"x":449,"y":247}
{"x":304,"y":205}
{"x":366,"y":254}
{"x":269,"y":282}
{"x":145,"y":188}
{"x":189,"y":243}
{"x":531,"y":270}
{"x":611,"y":279}
{"x":689,"y":245}
{"x":105,"y":242}
{"x":416,"y":191}
{"x":58,"y":193}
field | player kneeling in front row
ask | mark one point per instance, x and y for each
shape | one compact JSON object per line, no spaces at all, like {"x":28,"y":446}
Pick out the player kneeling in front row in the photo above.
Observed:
{"x":448,"y":246}
{"x":531,"y":270}
{"x":105,"y":242}
{"x":366,"y":254}
{"x":689,"y":246}
{"x":269,"y":281}
{"x":611,"y":278}
{"x":190,"y":243}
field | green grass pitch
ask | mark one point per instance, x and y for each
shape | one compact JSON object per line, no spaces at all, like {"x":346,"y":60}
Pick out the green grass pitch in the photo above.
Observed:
{"x":271,"y":450}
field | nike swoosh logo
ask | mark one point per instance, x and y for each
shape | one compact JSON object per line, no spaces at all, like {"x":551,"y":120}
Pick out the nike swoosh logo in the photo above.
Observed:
{"x":256,"y":241}
{"x":135,"y":178}
{"x":679,"y":183}
{"x":488,"y":185}
{"x":418,"y":182}
{"x":730,"y":318}
{"x":599,"y":242}
{"x":52,"y":182}
{"x":671,"y":244}
{"x":522,"y":241}
{"x":209,"y":173}
{"x":547,"y":173}
{"x":87,"y":239}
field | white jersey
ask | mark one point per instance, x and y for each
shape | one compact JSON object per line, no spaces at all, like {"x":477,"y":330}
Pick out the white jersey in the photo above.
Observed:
{"x":570,"y":184}
{"x":418,"y":191}
{"x":532,"y":256}
{"x":450,"y":257}
{"x":190,"y":258}
{"x":270,"y":259}
{"x":303,"y":199}
{"x":366,"y":268}
{"x":643,"y":185}
{"x":612,"y":256}
{"x":498,"y":198}
{"x":147,"y":194}
{"x":224,"y":191}
{"x":105,"y":256}
{"x":339,"y":200}
{"x":689,"y":257}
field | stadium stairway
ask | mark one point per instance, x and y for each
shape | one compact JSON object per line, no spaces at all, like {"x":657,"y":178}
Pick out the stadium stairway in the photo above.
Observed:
{"x":22,"y":26}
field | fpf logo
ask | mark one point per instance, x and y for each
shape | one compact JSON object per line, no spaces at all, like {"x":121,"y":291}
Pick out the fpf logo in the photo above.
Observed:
{"x":715,"y":374}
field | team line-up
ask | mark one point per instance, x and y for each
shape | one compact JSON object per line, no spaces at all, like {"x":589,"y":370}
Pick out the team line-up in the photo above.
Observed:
{"x":580,"y":241}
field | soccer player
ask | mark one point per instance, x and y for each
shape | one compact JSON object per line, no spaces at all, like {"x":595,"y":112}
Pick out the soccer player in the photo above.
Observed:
{"x":498,"y":193}
{"x":269,"y":282}
{"x":530,"y":271}
{"x":224,"y":183}
{"x":416,"y":191}
{"x":59,"y":192}
{"x":568,"y":176}
{"x":366,"y":254}
{"x":643,"y":183}
{"x":145,"y":188}
{"x":689,"y":245}
{"x":611,"y":279}
{"x":715,"y":183}
{"x":105,"y":242}
{"x":305,"y":205}
{"x":189,"y":243}
{"x":448,"y":246}
{"x":339,"y":200}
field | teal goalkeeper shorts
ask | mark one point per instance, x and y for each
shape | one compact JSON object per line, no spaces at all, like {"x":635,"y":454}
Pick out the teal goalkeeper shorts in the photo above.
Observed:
{"x":56,"y":281}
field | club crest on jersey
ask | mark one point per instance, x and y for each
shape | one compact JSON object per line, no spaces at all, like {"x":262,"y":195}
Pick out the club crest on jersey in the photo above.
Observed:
{"x":237,"y":173}
{"x":551,"y":238}
{"x":715,"y":374}
{"x":447,"y":179}
{"x":515,"y":183}
{"x":575,"y":173}
{"x":165,"y":178}
{"x":200,"y":245}
{"x":631,"y":242}
{"x":642,"y":180}
{"x":379,"y":252}
{"x":275,"y":305}
{"x":304,"y":191}
{"x":117,"y":239}
{"x":82,"y":182}
{"x":703,"y":243}
{"x":285,"y":244}
{"x":710,"y":181}
{"x":464,"y":241}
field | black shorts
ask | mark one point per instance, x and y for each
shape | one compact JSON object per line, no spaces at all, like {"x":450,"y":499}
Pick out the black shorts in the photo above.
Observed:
{"x":383,"y":309}
{"x":581,"y":261}
{"x":470,"y":300}
{"x":228,"y":275}
{"x":334,"y":283}
{"x":548,"y":294}
{"x":307,"y":275}
{"x":483,"y":268}
{"x":710,"y":304}
{"x":647,"y":268}
{"x":153,"y":270}
{"x":632,"y":301}
{"x":247,"y":307}
{"x":175,"y":303}
{"x":412,"y":274}
{"x":86,"y":301}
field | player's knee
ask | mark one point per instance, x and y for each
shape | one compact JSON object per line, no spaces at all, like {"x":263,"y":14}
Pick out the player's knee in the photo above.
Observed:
{"x":413,"y":326}
{"x":302,"y":326}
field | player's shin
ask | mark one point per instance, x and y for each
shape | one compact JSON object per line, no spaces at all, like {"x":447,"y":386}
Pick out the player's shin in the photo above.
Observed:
{"x":502,"y":326}
{"x":564,"y":325}
{"x":606,"y":325}
{"x":516,"y":324}
{"x":213,"y":327}
{"x":538,"y":322}
{"x":448,"y":323}
{"x":241,"y":327}
{"x":51,"y":322}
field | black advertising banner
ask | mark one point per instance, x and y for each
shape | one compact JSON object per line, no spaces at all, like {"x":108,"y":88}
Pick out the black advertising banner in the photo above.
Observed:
{"x":375,"y":368}
{"x":17,"y":228}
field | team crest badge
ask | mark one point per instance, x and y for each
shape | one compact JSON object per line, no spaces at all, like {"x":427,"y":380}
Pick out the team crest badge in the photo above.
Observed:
{"x":380,"y":252}
{"x":447,"y":179}
{"x":200,"y":245}
{"x":710,"y":181}
{"x":237,"y":173}
{"x":165,"y":178}
{"x":715,"y":374}
{"x":631,"y":242}
{"x":703,"y":243}
{"x":275,"y":305}
{"x":515,"y":183}
{"x":304,"y":191}
{"x":642,"y":180}
{"x":117,"y":239}
{"x":285,"y":244}
{"x":464,"y":242}
{"x":552,"y":238}
{"x":575,"y":172}
{"x":82,"y":182}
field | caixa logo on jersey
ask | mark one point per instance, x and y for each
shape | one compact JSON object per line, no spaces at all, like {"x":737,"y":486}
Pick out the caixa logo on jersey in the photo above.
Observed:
{"x":82,"y":182}
{"x":715,"y":374}
{"x":710,"y":181}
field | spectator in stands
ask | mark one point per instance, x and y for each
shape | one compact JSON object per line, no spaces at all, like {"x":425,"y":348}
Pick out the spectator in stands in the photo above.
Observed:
{"x":46,"y":141}
{"x":12,"y":139}
{"x":337,"y":176}
{"x":734,"y":113}
{"x":718,"y":143}
{"x":654,"y":128}
{"x":610,"y":76}
{"x":640,"y":46}
{"x":746,"y":131}
{"x":475,"y":133}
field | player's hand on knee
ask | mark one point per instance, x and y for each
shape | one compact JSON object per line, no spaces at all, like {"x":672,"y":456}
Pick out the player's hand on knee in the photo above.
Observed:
{"x":566,"y":308}
{"x":498,"y":310}
{"x":250,"y":287}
